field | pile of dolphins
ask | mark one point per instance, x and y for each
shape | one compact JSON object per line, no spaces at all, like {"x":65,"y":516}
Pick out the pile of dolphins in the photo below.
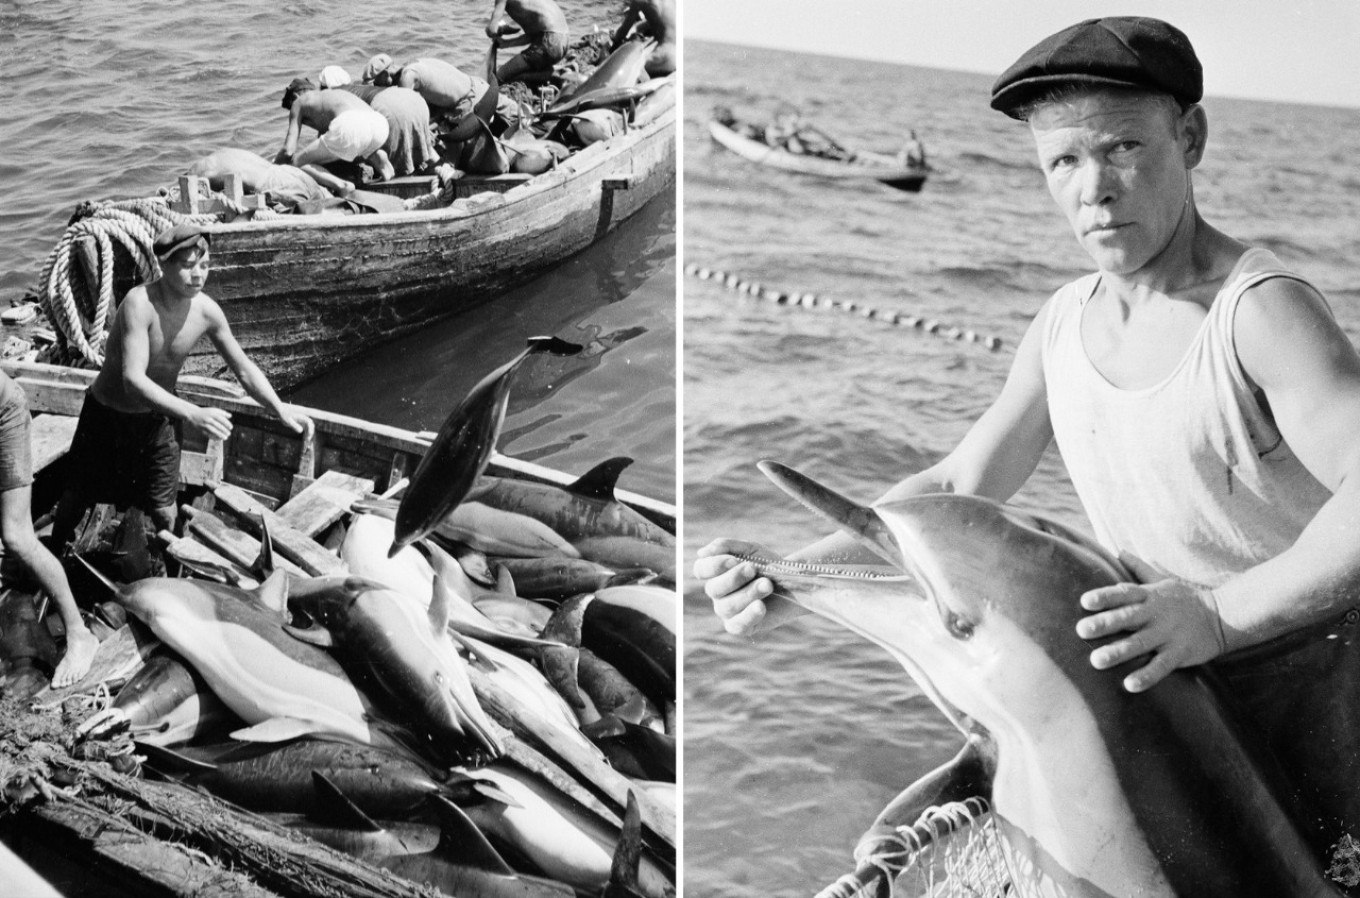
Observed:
{"x":1189,"y":789}
{"x":402,"y":713}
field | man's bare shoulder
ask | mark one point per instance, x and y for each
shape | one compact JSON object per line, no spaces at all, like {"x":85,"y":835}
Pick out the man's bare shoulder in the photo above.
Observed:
{"x":1284,"y":328}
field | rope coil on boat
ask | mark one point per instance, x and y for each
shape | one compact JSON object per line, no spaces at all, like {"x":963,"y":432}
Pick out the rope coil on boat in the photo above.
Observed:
{"x":811,"y":301}
{"x":75,"y":289}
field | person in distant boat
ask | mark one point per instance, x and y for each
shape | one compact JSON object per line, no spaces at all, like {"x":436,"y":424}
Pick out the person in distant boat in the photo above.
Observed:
{"x":125,"y":450}
{"x":410,"y":135}
{"x":1204,"y":398}
{"x":790,"y":133}
{"x":348,"y":129}
{"x":450,"y":93}
{"x":913,"y":153}
{"x":540,"y":27}
{"x":284,"y":186}
{"x":654,"y":19}
{"x":21,"y":543}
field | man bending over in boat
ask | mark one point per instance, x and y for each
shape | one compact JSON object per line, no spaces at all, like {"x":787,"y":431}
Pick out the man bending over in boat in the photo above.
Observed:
{"x":19,"y":540}
{"x":541,"y":25}
{"x":348,"y":129}
{"x":125,"y":449}
{"x":1204,"y":398}
{"x":654,"y":19}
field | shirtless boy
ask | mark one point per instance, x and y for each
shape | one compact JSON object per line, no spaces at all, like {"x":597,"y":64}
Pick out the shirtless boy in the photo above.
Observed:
{"x":544,"y":31}
{"x":654,"y":19}
{"x":348,"y":129}
{"x":125,"y":450}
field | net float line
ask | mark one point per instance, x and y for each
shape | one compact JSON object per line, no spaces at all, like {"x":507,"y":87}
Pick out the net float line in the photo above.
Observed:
{"x":810,"y":301}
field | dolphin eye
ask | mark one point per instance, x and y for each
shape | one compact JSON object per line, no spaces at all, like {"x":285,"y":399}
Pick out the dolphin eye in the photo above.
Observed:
{"x":958,"y":626}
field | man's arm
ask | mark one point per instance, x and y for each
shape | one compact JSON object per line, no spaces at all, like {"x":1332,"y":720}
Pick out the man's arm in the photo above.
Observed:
{"x":247,"y":372}
{"x":493,"y":24}
{"x":1292,"y":348}
{"x":994,"y":459}
{"x":290,"y":140}
{"x":630,"y":18}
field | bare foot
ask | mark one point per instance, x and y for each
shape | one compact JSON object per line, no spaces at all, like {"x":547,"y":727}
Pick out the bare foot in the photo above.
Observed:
{"x":75,"y":664}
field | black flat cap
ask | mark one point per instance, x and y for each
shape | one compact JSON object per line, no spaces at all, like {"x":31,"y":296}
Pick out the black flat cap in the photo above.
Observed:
{"x":174,"y":239}
{"x":1120,"y":51}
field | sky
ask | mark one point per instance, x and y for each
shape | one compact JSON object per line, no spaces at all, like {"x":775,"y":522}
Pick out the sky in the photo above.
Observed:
{"x":1303,"y":51}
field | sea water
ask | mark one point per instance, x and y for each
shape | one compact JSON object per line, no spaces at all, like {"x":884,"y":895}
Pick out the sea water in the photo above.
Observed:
{"x":109,"y":99}
{"x":795,"y":741}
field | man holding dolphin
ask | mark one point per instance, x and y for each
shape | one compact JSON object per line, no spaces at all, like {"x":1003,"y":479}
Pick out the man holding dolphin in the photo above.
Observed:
{"x":1206,"y":403}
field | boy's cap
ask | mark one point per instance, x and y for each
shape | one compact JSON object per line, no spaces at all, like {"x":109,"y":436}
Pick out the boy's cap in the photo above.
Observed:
{"x":1124,"y":51}
{"x":177,"y":238}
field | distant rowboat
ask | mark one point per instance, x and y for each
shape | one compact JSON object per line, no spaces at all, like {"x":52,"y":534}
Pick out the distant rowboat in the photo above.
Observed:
{"x":862,"y":165}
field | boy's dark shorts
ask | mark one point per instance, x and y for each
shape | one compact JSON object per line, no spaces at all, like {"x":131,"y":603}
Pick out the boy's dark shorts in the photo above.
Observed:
{"x":16,"y":446}
{"x":124,"y":458}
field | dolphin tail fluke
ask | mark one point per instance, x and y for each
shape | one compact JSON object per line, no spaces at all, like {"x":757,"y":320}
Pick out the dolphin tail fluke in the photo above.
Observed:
{"x":859,"y":521}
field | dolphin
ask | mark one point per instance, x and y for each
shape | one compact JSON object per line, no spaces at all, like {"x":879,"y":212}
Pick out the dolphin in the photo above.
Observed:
{"x":584,"y":508}
{"x":462,"y":448}
{"x":234,"y":638}
{"x":621,"y":69}
{"x":404,"y":651}
{"x":164,"y":702}
{"x":382,"y":782}
{"x":1095,"y":791}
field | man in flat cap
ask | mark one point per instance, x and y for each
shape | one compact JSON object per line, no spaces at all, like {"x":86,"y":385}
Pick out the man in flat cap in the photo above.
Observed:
{"x":125,"y":449}
{"x":1204,"y":399}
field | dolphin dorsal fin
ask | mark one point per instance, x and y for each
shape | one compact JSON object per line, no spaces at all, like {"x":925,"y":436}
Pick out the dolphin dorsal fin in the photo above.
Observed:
{"x":460,"y":839}
{"x":273,"y":593}
{"x":439,"y":603}
{"x":336,"y":806}
{"x":599,"y":481}
{"x":623,"y":870}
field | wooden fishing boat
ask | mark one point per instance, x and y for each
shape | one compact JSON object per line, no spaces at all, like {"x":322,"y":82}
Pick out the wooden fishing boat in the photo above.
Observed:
{"x":861,"y":166}
{"x":118,"y":834}
{"x":305,"y":292}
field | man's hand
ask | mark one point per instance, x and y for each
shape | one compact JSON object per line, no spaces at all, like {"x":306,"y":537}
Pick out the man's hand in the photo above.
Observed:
{"x":732,"y":584}
{"x":215,"y":422}
{"x":1175,"y":621}
{"x":297,"y":422}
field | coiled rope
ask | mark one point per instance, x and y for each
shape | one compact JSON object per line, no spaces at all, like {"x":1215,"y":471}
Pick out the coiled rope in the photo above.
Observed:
{"x":78,"y":298}
{"x":810,"y":301}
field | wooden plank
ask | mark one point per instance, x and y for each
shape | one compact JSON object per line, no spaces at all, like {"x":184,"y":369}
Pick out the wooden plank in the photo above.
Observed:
{"x":190,"y":551}
{"x":241,"y":548}
{"x":51,"y":439}
{"x":202,"y":468}
{"x":288,"y":541}
{"x":324,"y":502}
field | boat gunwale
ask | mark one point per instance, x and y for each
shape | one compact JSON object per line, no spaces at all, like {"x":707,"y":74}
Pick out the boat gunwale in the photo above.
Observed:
{"x":229,"y":396}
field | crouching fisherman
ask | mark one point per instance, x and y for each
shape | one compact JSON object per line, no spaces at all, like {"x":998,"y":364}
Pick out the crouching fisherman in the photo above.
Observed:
{"x":125,"y":450}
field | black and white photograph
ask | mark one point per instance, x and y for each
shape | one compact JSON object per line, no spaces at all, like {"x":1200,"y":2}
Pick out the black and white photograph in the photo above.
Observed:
{"x":1021,"y":404}
{"x":338,"y":448}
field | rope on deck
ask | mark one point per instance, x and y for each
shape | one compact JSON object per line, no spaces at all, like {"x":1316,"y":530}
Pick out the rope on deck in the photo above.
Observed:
{"x":810,"y":301}
{"x":76,"y":286}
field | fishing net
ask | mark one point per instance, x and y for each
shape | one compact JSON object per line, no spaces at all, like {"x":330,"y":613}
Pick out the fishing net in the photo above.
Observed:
{"x":951,"y":851}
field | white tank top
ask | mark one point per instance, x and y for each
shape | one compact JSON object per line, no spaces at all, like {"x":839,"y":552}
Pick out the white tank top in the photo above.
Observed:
{"x":1190,"y":475}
